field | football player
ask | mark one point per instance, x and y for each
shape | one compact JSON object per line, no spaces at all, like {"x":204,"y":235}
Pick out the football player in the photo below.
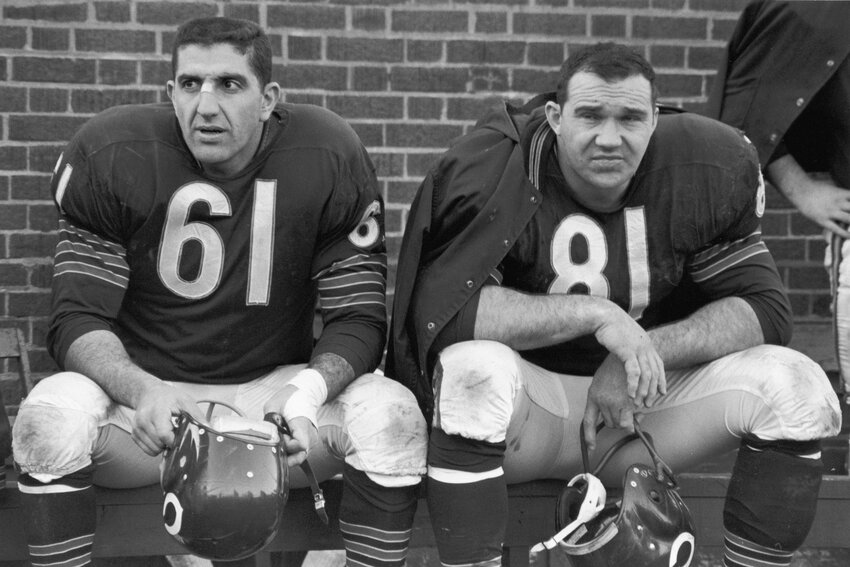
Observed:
{"x":196,"y":238}
{"x":584,"y":259}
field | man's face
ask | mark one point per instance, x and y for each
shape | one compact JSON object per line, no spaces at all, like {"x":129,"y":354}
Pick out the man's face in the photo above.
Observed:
{"x":220,"y":105}
{"x":603,"y":131}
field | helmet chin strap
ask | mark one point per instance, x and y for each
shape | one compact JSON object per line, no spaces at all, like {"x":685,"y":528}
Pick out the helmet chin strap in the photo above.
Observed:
{"x":592,"y":503}
{"x":318,"y":495}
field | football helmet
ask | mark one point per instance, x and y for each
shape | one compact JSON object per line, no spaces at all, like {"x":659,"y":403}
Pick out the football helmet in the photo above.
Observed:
{"x":647,"y":524}
{"x":225,"y":484}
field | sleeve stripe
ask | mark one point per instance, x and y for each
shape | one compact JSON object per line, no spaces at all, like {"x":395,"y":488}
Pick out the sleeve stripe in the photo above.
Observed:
{"x":708,"y":254}
{"x":350,"y":280}
{"x":357,"y":260}
{"x":330,"y":303}
{"x":73,"y":232}
{"x":723,"y":264}
{"x":67,"y":268}
{"x":82,"y":252}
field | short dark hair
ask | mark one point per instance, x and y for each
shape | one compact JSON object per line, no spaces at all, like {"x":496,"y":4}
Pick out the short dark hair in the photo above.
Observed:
{"x":245,"y":36}
{"x":610,"y":61}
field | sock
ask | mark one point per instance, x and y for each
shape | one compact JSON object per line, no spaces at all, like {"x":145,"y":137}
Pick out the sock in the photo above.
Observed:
{"x":376,"y":521}
{"x":770,"y":504}
{"x":60,"y":519}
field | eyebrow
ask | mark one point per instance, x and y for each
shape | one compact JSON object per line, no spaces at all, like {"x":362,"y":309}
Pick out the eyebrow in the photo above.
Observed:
{"x":218,"y":78}
{"x":634,"y":110}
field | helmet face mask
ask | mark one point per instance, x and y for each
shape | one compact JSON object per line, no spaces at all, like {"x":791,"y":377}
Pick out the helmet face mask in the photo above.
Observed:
{"x":225,"y":486}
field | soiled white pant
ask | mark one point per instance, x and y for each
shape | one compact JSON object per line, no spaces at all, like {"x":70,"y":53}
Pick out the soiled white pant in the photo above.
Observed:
{"x":68,"y":422}
{"x":489,"y":392}
{"x":838,"y":263}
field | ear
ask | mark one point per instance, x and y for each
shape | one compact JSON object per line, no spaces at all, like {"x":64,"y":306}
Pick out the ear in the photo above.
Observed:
{"x":553,"y":115}
{"x":169,"y":90}
{"x":271,"y":96}
{"x":655,"y":119}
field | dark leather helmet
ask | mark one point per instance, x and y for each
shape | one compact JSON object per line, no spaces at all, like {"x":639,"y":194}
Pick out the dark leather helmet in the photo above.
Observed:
{"x":646,"y":525}
{"x":225,"y":484}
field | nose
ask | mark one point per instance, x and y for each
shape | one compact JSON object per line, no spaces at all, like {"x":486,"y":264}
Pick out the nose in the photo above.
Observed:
{"x":608,"y":135}
{"x":207,"y":100}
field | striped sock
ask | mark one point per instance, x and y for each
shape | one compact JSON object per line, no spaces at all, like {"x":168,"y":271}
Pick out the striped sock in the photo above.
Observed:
{"x":740,"y":552}
{"x":372,"y":547}
{"x":375,"y":521}
{"x":60,"y":521}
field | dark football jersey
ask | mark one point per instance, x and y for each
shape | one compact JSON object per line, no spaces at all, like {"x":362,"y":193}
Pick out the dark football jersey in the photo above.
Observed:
{"x":691,"y":220}
{"x":212,"y":279}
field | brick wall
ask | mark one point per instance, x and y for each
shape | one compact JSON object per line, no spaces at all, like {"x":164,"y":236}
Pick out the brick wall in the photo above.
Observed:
{"x":409,"y":76}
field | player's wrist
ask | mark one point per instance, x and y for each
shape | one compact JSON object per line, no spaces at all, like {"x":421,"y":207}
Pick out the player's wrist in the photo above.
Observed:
{"x":311,"y":392}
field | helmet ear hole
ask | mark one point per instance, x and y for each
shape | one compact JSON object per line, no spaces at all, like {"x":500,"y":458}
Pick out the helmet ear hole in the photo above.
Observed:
{"x":172,"y":514}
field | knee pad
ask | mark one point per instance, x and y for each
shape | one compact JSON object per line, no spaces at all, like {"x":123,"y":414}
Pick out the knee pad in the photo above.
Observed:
{"x":797,"y":391}
{"x":57,"y":426}
{"x":387,"y":430}
{"x":475,"y":384}
{"x":772,"y":495}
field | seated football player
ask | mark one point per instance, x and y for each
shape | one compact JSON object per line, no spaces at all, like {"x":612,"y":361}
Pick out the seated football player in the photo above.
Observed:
{"x":586,"y":259}
{"x":196,"y":239}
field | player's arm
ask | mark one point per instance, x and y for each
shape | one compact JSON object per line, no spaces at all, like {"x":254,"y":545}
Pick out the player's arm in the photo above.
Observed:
{"x":819,"y":200}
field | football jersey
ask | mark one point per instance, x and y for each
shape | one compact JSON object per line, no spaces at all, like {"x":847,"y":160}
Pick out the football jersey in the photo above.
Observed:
{"x":216,"y":279}
{"x":690,"y":220}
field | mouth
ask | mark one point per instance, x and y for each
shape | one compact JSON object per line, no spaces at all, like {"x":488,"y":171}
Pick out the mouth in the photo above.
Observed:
{"x":209,"y":132}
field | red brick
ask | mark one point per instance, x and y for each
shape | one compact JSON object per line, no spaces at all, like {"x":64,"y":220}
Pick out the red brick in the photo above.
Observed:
{"x":43,"y":128}
{"x":634,"y":4}
{"x":814,"y":277}
{"x":421,"y":135}
{"x":116,"y":12}
{"x":64,"y":12}
{"x":658,"y":27}
{"x":41,"y":275}
{"x":488,"y":79}
{"x":549,"y":24}
{"x":388,"y":164}
{"x":312,"y":77}
{"x":304,"y":98}
{"x":371,"y":19}
{"x":13,"y":37}
{"x":304,"y":48}
{"x":433,"y":21}
{"x":466,"y":51}
{"x":306,"y":17}
{"x":377,"y":107}
{"x":604,"y":25}
{"x":13,"y":99}
{"x":31,"y":187}
{"x":13,"y":216}
{"x":801,"y":225}
{"x":424,"y":107}
{"x":371,"y":135}
{"x":393,"y":220}
{"x":42,"y":158}
{"x":29,"y":304}
{"x":173,"y":13}
{"x":717,"y":5}
{"x":43,"y":218}
{"x":677,"y":85}
{"x":491,"y":22}
{"x":721,"y":29}
{"x":534,"y":81}
{"x":13,"y":275}
{"x":117,"y":71}
{"x":418,"y":164}
{"x":705,"y":57}
{"x":51,"y":39}
{"x":667,"y":56}
{"x":248,"y":12}
{"x":13,"y":157}
{"x":549,"y":54}
{"x":156,"y":72}
{"x":121,"y":41}
{"x":785,"y":249}
{"x":822,"y":305}
{"x":31,"y":245}
{"x":816,"y":249}
{"x":668,"y":4}
{"x":465,"y":108}
{"x":426,"y":79}
{"x":365,"y":49}
{"x":92,"y":101}
{"x":53,"y":70}
{"x":401,"y":192}
{"x":424,"y":51}
{"x":370,"y":79}
{"x":49,"y":100}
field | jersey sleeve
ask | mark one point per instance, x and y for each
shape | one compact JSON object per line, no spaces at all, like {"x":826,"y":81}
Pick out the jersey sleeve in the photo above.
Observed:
{"x":350,"y":268}
{"x":91,"y":273}
{"x":739,"y":264}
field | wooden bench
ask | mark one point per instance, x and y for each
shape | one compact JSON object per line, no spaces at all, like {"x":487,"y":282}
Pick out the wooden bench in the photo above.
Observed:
{"x":130,"y":525}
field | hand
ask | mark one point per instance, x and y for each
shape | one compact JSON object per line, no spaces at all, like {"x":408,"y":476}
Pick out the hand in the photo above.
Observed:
{"x":153,"y":429}
{"x":631,"y":344}
{"x":826,"y":204}
{"x":305,"y":434}
{"x":608,"y":398}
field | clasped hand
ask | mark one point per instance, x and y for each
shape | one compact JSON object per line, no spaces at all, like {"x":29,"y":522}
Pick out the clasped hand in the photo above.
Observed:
{"x":304,"y":436}
{"x":630,"y":377}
